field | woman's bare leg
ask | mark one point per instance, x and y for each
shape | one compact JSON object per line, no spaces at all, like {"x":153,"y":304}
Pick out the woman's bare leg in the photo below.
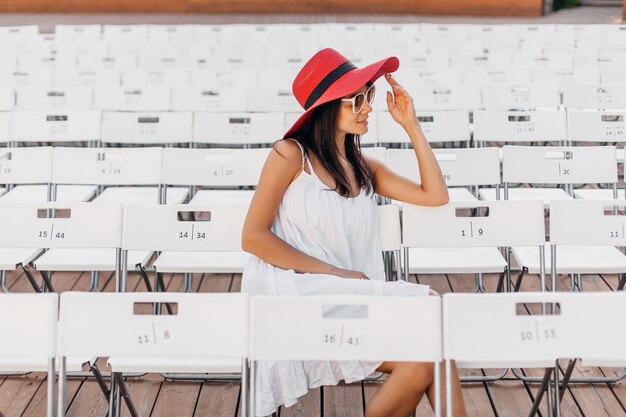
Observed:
{"x":457,"y":396}
{"x":403,"y":389}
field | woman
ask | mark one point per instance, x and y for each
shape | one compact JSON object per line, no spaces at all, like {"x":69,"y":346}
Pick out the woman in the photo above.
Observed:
{"x":312,"y":226}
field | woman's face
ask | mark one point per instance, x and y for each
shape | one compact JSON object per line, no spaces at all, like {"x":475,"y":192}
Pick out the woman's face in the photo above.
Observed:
{"x":350,"y":122}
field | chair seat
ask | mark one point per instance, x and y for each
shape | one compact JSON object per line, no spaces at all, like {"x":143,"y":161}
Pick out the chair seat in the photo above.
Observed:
{"x":574,"y":259}
{"x":72,"y":364}
{"x":39,"y":194}
{"x":87,"y":259}
{"x":141,"y":195}
{"x":597,"y":193}
{"x":455,"y":260}
{"x":10,"y":258}
{"x":179,"y":365}
{"x":199,"y":262}
{"x":222,"y":196}
{"x":525,"y":194}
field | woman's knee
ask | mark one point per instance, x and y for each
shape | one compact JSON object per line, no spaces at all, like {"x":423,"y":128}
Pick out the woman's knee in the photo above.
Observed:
{"x":418,"y":374}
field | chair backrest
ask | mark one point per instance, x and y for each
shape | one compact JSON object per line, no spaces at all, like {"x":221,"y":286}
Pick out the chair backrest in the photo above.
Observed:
{"x":438,"y":126}
{"x":209,"y":99}
{"x":453,"y":224}
{"x":495,"y":330}
{"x":204,"y":325}
{"x":213,"y":167}
{"x":344,"y":328}
{"x":29,"y":325}
{"x":192,"y":228}
{"x":450,"y":97}
{"x":506,"y":74}
{"x":125,"y":98}
{"x":55,"y":126}
{"x":149,"y":77}
{"x":559,"y":164}
{"x":595,"y":96}
{"x":147,"y":128}
{"x":238,"y":128}
{"x":460,"y":167}
{"x":596,"y":125}
{"x":566,"y":75}
{"x":390,"y":230}
{"x":28,"y":165}
{"x":59,"y":225}
{"x":519,"y":126}
{"x":107,"y":166}
{"x":38,"y":98}
{"x":609,"y":75}
{"x":587,"y":222}
{"x":263,"y":99}
{"x":521,"y":96}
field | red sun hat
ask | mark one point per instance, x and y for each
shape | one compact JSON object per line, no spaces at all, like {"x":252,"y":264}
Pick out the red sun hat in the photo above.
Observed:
{"x":328,"y":76}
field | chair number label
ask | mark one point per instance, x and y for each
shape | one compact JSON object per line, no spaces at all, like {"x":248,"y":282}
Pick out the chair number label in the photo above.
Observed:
{"x":5,"y":169}
{"x":111,"y":169}
{"x":525,"y":128}
{"x":241,"y":131}
{"x":472,"y":231}
{"x":222,"y":170}
{"x":158,"y":335}
{"x":342,"y":337}
{"x":539,"y":331}
{"x":147,"y":130}
{"x":618,"y":233}
{"x":50,"y":234}
{"x":58,"y":129}
{"x":614,"y":131}
{"x":193,"y":234}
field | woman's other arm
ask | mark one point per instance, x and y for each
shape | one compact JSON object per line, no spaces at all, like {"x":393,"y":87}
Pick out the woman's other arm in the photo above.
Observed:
{"x":283,"y":165}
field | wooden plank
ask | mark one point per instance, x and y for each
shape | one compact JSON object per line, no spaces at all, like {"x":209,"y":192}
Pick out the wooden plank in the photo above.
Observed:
{"x":481,"y":7}
{"x":218,"y":399}
{"x":37,"y":407}
{"x":17,"y":392}
{"x":176,"y":398}
{"x":307,"y":406}
{"x":343,"y":400}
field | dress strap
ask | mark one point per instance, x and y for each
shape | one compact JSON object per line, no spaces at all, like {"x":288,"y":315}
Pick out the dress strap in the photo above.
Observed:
{"x":304,"y":158}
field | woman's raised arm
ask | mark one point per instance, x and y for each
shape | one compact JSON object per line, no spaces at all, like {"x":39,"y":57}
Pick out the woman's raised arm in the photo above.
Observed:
{"x":433,"y":190}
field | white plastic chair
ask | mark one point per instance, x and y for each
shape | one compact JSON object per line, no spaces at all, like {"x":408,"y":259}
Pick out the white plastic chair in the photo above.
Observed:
{"x":584,"y":239}
{"x":264,"y":99}
{"x":517,"y":339}
{"x":445,"y":97}
{"x":207,"y":77}
{"x":47,"y":99}
{"x":438,"y":126}
{"x":118,"y":98}
{"x":5,"y":126}
{"x":207,"y":333}
{"x":470,"y":167}
{"x":147,"y":128}
{"x":55,"y":126}
{"x":87,"y":77}
{"x":553,"y":165}
{"x":63,"y":226}
{"x":238,"y":128}
{"x":519,"y":126}
{"x":597,"y":126}
{"x":212,"y":231}
{"x":505,"y":74}
{"x":209,"y":99}
{"x":449,"y":239}
{"x":595,"y":96}
{"x":520,"y":97}
{"x":568,"y":75}
{"x":29,"y":333}
{"x":610,"y":75}
{"x":344,"y":328}
{"x":68,"y":34}
{"x":149,"y":77}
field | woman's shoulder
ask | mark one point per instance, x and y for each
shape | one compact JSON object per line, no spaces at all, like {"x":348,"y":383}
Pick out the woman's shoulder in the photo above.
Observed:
{"x":290,"y":150}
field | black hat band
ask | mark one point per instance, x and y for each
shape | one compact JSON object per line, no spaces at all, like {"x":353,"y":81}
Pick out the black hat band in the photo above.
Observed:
{"x":326,"y":82}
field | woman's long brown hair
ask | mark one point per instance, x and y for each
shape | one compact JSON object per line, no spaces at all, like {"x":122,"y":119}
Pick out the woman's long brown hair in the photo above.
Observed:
{"x":318,"y":138}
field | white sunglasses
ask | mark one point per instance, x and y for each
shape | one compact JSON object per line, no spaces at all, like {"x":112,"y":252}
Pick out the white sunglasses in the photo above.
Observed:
{"x":359,"y":100}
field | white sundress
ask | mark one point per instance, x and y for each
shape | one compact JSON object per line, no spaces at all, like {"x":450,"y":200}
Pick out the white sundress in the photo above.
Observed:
{"x":337,"y":230}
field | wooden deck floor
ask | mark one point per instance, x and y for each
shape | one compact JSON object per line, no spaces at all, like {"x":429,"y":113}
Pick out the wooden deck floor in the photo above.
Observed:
{"x":25,"y":396}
